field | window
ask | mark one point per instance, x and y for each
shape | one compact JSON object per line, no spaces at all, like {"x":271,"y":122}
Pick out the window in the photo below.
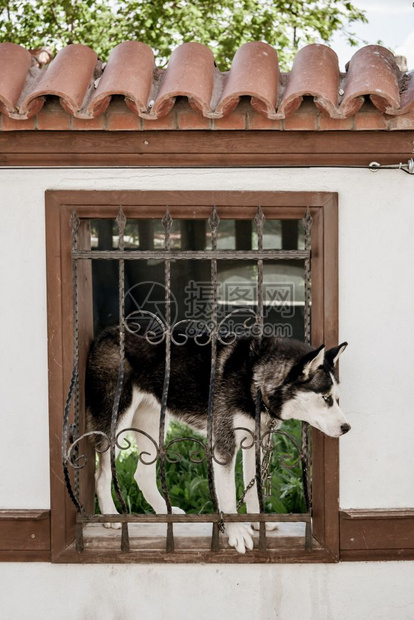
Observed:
{"x":190,"y":211}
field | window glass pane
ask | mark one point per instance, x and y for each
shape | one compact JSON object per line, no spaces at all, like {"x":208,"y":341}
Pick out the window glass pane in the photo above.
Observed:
{"x":283,"y":281}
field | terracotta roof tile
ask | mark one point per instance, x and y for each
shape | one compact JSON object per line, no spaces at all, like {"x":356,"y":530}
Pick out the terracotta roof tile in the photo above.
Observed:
{"x":190,"y":73}
{"x":129,"y":72}
{"x":85,"y":87}
{"x":255,"y":73}
{"x":69,"y":76}
{"x":407,"y":92}
{"x":315,"y":72}
{"x":372,"y":71}
{"x":14,"y":67}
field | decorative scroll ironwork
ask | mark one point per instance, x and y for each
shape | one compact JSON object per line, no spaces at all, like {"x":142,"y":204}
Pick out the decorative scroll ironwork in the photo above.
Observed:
{"x":79,"y":461}
{"x":203,"y":333}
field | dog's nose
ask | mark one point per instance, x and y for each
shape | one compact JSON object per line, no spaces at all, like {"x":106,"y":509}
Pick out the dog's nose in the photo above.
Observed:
{"x":345,"y":428}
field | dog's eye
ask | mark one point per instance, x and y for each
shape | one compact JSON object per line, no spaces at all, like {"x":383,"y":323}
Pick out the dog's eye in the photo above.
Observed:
{"x":328,"y":399}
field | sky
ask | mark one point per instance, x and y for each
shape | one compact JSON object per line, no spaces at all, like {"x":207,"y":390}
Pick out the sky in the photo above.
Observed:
{"x":390,"y":21}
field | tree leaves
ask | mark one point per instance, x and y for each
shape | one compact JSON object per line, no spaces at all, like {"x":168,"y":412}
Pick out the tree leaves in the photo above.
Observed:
{"x":165,"y":24}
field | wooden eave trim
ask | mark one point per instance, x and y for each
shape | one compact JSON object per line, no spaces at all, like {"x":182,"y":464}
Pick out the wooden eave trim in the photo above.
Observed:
{"x":204,"y":148}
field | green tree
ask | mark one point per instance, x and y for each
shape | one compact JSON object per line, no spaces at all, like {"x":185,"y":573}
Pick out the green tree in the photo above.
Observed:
{"x":164,"y":24}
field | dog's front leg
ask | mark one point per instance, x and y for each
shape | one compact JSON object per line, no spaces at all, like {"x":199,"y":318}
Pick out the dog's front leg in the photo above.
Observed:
{"x":240,"y":534}
{"x":249,"y":474}
{"x":103,"y":479}
{"x":147,"y":420}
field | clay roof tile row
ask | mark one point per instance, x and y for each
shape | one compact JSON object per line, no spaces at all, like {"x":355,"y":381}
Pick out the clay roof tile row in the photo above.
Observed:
{"x":85,"y":86}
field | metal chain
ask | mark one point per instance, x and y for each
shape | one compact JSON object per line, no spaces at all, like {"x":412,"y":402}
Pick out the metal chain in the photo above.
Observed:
{"x":220,"y":523}
{"x":246,"y":490}
{"x":267,"y":458}
{"x":266,"y":475}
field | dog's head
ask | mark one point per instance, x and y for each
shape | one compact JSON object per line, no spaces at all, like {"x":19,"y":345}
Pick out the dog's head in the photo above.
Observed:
{"x":310,"y":392}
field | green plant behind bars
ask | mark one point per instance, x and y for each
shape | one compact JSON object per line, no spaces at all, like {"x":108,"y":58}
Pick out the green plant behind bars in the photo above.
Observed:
{"x":187,"y":481}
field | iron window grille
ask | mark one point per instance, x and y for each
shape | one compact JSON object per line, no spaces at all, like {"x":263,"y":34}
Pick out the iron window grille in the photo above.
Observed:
{"x":75,"y":454}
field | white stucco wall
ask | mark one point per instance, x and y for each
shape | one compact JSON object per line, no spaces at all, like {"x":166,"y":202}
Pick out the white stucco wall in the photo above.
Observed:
{"x":376,"y":225}
{"x":362,"y":591}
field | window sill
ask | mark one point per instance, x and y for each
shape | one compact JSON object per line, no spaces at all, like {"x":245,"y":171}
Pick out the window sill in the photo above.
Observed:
{"x":192,"y":545}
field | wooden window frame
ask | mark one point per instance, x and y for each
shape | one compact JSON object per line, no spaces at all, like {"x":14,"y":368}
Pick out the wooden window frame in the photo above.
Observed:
{"x":105,"y":204}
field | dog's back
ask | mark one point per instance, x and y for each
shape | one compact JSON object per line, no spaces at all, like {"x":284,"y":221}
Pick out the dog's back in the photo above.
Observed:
{"x":144,"y":370}
{"x":189,"y":383}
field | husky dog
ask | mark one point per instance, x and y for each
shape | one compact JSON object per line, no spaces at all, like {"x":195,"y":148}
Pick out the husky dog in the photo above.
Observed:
{"x":295,"y":381}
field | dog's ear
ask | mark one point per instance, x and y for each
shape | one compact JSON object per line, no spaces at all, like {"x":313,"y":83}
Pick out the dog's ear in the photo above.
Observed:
{"x":307,"y":365}
{"x":332,"y":355}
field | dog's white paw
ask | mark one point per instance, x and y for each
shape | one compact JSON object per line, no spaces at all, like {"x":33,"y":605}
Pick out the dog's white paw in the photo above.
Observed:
{"x":114,"y":526}
{"x":269,"y":526}
{"x":240,"y":536}
{"x":177,"y":511}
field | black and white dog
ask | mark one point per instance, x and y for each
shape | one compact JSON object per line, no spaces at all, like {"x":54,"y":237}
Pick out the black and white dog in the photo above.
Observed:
{"x":295,"y":380}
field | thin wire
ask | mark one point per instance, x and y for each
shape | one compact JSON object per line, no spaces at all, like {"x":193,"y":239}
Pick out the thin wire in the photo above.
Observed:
{"x":372,"y":168}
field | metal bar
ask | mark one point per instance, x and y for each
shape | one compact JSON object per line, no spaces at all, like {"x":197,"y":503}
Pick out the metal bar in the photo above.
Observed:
{"x":213,"y":222}
{"x":373,"y":167}
{"x":74,"y":428}
{"x":167,"y":224}
{"x":191,"y":254}
{"x":115,"y":408}
{"x":74,"y":496}
{"x":307,"y":223}
{"x":306,"y":431}
{"x":308,"y":536}
{"x":195,"y":518}
{"x":79,"y":542}
{"x":259,"y":221}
